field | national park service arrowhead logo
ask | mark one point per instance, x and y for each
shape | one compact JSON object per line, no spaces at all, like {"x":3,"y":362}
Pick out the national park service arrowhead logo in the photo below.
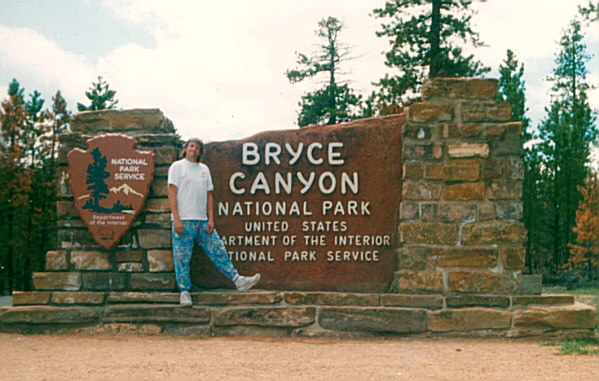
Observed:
{"x":110,"y":182}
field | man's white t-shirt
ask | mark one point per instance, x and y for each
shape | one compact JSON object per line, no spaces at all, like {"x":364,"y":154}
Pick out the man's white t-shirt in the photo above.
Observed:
{"x":193,"y":181}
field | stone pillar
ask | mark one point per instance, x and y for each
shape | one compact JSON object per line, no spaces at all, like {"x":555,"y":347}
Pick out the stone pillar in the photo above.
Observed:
{"x":460,"y":217}
{"x":142,"y":260}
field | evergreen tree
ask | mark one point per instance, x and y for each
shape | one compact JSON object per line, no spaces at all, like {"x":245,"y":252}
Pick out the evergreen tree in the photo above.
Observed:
{"x":511,"y":89}
{"x":96,"y":174}
{"x":425,"y":38}
{"x":335,"y":102}
{"x":585,"y":252}
{"x":566,"y":134}
{"x":590,"y":12}
{"x":100,"y":96}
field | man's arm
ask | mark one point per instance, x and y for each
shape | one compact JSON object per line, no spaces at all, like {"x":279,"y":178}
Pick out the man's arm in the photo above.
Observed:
{"x":172,"y":199}
{"x":210,"y":213}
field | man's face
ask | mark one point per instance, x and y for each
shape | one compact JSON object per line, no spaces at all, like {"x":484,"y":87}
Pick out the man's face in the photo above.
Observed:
{"x":192,"y":151}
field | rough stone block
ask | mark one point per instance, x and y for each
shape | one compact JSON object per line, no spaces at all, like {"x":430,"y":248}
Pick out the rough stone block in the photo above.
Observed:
{"x":78,"y":297}
{"x":480,"y":282}
{"x":152,"y":313}
{"x":409,"y":210}
{"x":160,"y":260}
{"x":420,"y":281}
{"x":413,"y":170}
{"x":159,"y":188}
{"x":156,"y":140}
{"x":478,"y":301}
{"x":469,"y":319}
{"x":104,"y":281}
{"x":486,"y":112}
{"x":161,"y":219}
{"x":509,"y":210}
{"x":20,"y":298}
{"x":513,"y":128}
{"x":383,"y":319}
{"x":165,"y":155}
{"x":130,"y":267}
{"x":143,"y":297}
{"x":509,"y":146}
{"x":413,"y":258}
{"x":513,"y":257}
{"x":505,"y":190}
{"x":56,"y":260}
{"x":432,"y":151}
{"x":75,"y":239}
{"x":492,"y":169}
{"x":57,"y":281}
{"x":412,"y":301}
{"x":575,"y":316}
{"x":153,"y":281}
{"x":464,"y":192}
{"x":485,"y":211}
{"x":66,"y":209}
{"x":460,"y":88}
{"x":48,"y":315}
{"x":121,"y":120}
{"x":428,"y":233}
{"x":429,"y":111}
{"x":90,"y":260}
{"x":266,"y":316}
{"x":417,"y":131}
{"x":465,"y":150}
{"x":493,"y":233}
{"x":154,"y":238}
{"x":332,"y":298}
{"x":129,"y":256}
{"x":515,"y":169}
{"x":543,"y":299}
{"x":236,"y":298}
{"x":412,"y":190}
{"x":531,"y":284}
{"x":465,"y":257}
{"x":463,"y":170}
{"x":456,"y":212}
{"x":157,"y":205}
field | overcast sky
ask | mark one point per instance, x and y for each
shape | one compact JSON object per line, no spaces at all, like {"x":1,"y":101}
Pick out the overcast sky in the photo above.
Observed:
{"x":216,"y":68}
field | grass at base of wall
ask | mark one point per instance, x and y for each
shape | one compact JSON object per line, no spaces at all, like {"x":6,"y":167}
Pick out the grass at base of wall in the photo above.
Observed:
{"x":588,"y":346}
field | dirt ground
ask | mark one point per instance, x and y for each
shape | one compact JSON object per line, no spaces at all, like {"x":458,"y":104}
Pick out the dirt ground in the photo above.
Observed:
{"x":133,"y":357}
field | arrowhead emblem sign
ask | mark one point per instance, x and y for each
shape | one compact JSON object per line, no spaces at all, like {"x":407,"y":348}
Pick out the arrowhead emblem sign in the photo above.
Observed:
{"x":110,"y":182}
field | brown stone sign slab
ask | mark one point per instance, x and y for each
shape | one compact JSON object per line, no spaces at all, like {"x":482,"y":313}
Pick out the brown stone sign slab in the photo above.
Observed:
{"x":110,"y":182}
{"x":311,"y":209}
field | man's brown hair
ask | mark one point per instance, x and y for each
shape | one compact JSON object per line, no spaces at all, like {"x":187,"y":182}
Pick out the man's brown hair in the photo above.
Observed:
{"x":199,"y":143}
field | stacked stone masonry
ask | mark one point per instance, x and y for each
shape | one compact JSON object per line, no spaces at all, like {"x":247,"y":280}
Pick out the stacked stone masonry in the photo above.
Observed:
{"x":142,"y":260}
{"x":460,"y":245}
{"x":460,"y":229}
{"x":300,"y":314}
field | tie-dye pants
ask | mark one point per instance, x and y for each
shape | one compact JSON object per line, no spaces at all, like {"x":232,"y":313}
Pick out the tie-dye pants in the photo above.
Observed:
{"x":211,"y":244}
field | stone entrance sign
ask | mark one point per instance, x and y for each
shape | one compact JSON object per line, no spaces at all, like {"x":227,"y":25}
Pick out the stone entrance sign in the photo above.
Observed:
{"x":310,"y":209}
{"x":110,"y":182}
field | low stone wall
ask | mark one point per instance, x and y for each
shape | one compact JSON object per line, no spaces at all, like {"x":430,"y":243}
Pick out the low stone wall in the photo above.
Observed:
{"x":300,"y":314}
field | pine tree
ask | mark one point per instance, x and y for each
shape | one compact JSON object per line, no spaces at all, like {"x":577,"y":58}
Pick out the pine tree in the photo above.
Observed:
{"x":566,"y":134}
{"x":335,"y":102}
{"x":426,"y":38}
{"x":585,"y":251}
{"x":590,"y":12}
{"x":100,"y":96}
{"x":96,"y":174}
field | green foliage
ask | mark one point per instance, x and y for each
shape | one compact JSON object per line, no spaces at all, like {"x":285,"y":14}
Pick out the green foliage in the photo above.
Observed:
{"x":100,"y":95}
{"x":426,"y":39}
{"x":584,"y":346}
{"x":566,"y":135}
{"x":335,"y":102}
{"x":590,"y":12}
{"x":27,"y":183}
{"x":96,"y":174}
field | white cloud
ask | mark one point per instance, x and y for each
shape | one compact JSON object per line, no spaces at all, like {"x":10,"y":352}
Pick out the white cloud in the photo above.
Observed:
{"x":27,"y":53}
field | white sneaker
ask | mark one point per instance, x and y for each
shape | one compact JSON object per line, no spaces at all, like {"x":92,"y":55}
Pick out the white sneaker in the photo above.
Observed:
{"x":185,"y":299}
{"x":244,"y":283}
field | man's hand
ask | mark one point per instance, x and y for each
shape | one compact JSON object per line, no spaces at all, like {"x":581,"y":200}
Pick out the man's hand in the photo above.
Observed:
{"x":178,"y":226}
{"x":210,"y":227}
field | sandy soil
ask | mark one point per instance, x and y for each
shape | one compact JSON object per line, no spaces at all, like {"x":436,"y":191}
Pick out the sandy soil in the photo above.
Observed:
{"x":129,"y":357}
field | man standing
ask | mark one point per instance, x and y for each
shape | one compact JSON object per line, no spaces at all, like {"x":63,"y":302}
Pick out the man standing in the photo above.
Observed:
{"x":190,"y":197}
